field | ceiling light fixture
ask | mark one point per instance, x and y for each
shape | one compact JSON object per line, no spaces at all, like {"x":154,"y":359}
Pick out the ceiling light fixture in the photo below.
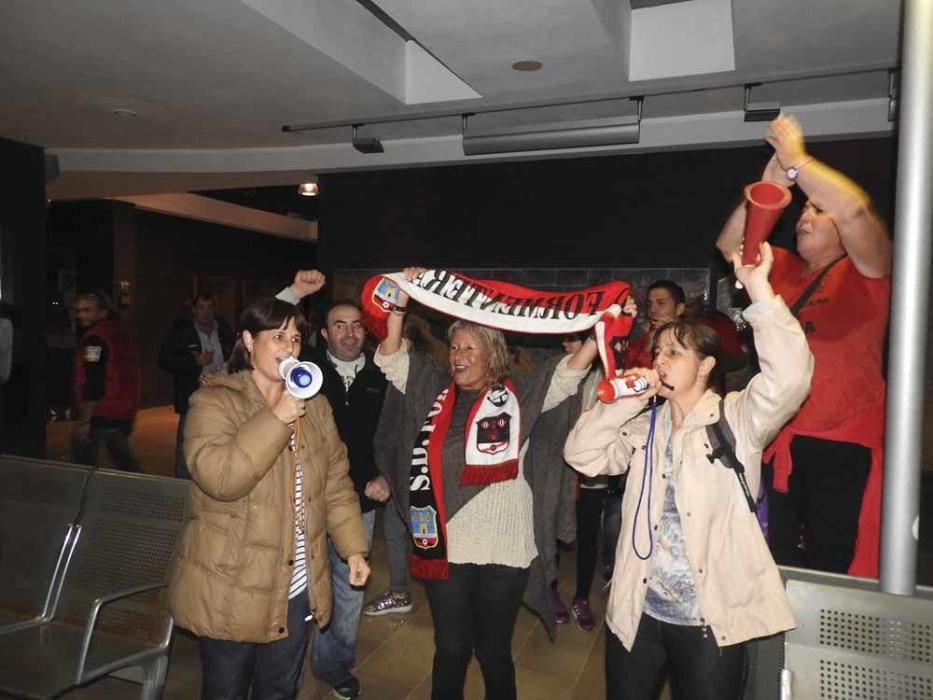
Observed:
{"x":610,"y":131}
{"x":125,"y":113}
{"x":527,"y":66}
{"x":366,"y":144}
{"x":759,"y":111}
{"x":308,"y":189}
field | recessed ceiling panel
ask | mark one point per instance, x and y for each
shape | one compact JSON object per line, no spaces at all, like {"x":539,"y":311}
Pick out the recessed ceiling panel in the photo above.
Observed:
{"x":577,"y":41}
{"x":681,"y":39}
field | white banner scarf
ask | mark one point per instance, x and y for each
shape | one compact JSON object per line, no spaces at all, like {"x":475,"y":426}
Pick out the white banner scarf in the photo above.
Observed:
{"x":505,"y":306}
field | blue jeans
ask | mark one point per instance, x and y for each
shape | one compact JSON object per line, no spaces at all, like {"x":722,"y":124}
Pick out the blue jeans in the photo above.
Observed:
{"x":333,"y":651}
{"x":229,"y":669}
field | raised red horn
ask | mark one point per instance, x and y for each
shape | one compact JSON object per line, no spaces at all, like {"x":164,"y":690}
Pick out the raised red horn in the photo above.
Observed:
{"x":765,"y":202}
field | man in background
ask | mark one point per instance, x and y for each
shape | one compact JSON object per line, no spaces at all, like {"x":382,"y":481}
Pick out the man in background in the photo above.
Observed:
{"x":196,"y":345}
{"x":106,"y":384}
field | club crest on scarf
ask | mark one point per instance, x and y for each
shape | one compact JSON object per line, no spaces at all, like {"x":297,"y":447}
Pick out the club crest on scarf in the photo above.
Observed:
{"x":492,"y":437}
{"x":492,"y":434}
{"x":386,"y":293}
{"x":424,"y":527}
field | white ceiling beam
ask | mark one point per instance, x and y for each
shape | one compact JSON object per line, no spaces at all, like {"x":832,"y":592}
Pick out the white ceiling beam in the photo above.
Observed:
{"x":215,"y":211}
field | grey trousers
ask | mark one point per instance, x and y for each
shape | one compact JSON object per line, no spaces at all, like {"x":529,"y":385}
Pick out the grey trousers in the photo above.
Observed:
{"x":398,"y":544}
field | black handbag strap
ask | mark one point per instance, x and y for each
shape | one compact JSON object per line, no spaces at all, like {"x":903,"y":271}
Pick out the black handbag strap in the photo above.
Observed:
{"x":812,"y":287}
{"x":722,"y":441}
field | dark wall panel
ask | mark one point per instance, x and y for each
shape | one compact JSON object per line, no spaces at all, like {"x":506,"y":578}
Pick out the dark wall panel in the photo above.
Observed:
{"x":658,"y":209}
{"x":172,"y":251}
{"x":22,"y":282}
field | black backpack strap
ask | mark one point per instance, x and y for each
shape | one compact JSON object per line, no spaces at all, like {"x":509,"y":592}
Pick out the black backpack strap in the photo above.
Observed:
{"x":722,"y":440}
{"x":808,"y":292}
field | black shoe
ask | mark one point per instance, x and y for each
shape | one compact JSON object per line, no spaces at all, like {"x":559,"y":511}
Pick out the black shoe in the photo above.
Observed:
{"x":348,"y":689}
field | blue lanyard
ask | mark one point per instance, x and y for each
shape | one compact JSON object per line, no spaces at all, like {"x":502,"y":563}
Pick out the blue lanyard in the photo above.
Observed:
{"x":647,"y":476}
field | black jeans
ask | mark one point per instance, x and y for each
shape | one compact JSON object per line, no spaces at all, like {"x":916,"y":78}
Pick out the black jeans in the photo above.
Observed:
{"x":822,"y":504}
{"x":474,"y":610}
{"x":181,"y":466}
{"x":700,"y":669}
{"x":612,"y":521}
{"x":228,"y":669}
{"x":116,"y":439}
{"x":589,"y":516}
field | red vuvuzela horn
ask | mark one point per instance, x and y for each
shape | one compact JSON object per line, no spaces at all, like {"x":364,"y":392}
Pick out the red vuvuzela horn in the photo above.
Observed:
{"x":765,"y":202}
{"x":609,"y":390}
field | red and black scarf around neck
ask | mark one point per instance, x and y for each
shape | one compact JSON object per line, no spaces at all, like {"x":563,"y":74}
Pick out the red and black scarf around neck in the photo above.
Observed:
{"x":492,"y":437}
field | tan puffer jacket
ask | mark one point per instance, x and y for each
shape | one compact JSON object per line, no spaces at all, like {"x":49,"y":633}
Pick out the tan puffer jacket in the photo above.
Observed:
{"x":235,"y":560}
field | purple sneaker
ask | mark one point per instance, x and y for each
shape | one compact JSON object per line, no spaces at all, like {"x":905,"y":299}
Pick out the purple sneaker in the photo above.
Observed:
{"x":561,"y":615}
{"x":583,"y":614}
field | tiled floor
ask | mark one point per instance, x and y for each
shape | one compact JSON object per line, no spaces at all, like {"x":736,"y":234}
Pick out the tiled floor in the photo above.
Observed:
{"x":394,"y":652}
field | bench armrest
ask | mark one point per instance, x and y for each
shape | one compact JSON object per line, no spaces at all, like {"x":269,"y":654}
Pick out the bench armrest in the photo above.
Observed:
{"x":55,"y":585}
{"x":81,"y":675}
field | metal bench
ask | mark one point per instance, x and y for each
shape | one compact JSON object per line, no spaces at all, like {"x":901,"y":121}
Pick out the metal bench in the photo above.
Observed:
{"x":851,"y":641}
{"x":39,"y":506}
{"x":110,"y":614}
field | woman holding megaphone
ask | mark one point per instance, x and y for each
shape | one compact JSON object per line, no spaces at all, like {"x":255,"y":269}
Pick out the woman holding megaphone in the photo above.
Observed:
{"x":269,"y":483}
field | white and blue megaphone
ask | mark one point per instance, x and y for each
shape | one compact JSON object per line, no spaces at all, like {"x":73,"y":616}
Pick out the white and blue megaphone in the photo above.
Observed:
{"x":302,"y":379}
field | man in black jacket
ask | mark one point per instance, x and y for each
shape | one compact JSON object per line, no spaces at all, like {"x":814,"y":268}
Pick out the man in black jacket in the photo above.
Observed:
{"x":196,"y":345}
{"x":355,"y":388}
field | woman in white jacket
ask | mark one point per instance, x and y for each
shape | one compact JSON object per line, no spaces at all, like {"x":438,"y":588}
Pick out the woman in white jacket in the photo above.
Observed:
{"x":694,"y":579}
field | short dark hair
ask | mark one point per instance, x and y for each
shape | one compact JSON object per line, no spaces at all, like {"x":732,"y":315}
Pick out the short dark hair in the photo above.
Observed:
{"x":699,"y":337}
{"x":695,"y":336}
{"x":264,"y":314}
{"x":341,"y":302}
{"x":99,"y":298}
{"x":675,"y":290}
{"x":202,"y":296}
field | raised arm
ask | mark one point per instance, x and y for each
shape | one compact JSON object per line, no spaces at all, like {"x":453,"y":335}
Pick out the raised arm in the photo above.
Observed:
{"x":584,"y":357}
{"x":306,"y":283}
{"x":731,"y":236}
{"x":863,"y":235}
{"x":776,"y":392}
{"x":393,"y":340}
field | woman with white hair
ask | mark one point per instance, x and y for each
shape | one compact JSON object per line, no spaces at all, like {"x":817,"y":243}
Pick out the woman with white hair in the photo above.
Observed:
{"x":475,"y":507}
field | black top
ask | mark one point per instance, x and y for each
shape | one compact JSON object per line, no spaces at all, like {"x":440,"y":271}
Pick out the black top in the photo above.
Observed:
{"x":356,"y":413}
{"x":177,"y":352}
